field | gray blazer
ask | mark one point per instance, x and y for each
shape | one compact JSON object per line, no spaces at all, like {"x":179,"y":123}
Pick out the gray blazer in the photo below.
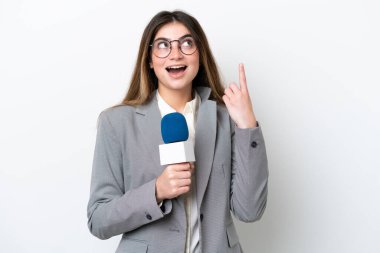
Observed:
{"x":231,"y":176}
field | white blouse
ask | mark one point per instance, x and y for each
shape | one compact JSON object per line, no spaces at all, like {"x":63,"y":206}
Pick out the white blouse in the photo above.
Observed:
{"x":192,"y":215}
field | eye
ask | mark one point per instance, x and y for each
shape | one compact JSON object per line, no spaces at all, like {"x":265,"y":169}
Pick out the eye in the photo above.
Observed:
{"x":162,"y":44}
{"x":188,"y":42}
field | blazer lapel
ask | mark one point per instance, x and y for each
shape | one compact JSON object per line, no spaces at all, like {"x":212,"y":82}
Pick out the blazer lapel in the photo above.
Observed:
{"x":148,"y":118}
{"x":205,"y":135}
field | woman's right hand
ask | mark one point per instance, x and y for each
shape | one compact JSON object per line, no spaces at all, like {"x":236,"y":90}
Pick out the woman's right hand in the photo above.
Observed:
{"x":175,"y":180}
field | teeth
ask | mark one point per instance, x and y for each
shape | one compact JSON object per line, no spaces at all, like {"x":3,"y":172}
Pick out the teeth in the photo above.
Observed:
{"x":176,"y":67}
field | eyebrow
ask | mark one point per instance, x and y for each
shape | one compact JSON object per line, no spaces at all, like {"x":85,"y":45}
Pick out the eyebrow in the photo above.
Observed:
{"x":184,"y":36}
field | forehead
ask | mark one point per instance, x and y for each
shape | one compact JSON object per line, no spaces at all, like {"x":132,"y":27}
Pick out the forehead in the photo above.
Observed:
{"x":173,"y":30}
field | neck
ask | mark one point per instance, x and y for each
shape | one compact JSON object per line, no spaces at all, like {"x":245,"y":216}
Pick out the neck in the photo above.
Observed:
{"x":177,"y":99}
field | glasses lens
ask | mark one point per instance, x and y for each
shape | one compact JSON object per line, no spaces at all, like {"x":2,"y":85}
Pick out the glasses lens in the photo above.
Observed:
{"x":161,"y":48}
{"x":188,"y":45}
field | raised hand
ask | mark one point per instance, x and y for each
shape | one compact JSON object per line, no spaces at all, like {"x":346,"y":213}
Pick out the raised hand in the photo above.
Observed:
{"x":175,"y":180}
{"x":239,"y":103}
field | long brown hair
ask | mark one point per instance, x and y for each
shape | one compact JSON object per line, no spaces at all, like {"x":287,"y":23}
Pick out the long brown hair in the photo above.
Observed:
{"x":144,"y":80}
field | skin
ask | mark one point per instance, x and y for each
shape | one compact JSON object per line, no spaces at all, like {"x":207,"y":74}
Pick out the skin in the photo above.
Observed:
{"x":175,"y":180}
{"x":175,"y":91}
{"x":238,"y":102}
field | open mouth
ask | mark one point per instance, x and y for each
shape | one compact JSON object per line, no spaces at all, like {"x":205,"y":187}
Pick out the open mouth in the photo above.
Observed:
{"x":176,"y":69}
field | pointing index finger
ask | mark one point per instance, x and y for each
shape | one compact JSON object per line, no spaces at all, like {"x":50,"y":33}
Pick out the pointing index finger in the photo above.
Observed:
{"x":242,"y":79}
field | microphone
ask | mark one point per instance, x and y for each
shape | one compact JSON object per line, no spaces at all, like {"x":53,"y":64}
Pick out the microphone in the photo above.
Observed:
{"x":175,"y":134}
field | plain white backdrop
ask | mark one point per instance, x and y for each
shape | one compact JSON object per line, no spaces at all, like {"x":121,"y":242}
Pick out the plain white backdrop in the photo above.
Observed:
{"x":313,"y":72}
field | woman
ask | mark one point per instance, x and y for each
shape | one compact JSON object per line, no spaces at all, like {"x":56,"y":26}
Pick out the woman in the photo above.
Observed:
{"x":181,"y":207}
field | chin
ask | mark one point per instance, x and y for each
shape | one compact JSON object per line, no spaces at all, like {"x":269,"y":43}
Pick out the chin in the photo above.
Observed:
{"x":177,"y":85}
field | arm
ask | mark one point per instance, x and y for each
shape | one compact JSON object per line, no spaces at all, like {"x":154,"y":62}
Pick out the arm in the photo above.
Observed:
{"x":112,"y":211}
{"x":249,"y":173}
{"x":249,"y":165}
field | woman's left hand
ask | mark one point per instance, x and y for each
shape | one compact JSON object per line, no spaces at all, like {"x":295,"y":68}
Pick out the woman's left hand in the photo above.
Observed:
{"x":239,"y":103}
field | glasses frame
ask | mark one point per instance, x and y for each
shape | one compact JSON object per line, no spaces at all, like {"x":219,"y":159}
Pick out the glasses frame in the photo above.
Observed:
{"x":170,"y":44}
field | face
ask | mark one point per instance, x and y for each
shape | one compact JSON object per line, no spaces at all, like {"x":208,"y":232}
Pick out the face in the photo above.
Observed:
{"x":177,"y":70}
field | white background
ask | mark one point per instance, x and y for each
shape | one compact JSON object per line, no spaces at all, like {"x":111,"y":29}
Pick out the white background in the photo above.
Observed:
{"x":313,"y":73}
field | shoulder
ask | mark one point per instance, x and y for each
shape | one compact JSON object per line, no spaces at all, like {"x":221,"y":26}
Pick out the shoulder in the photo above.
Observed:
{"x":117,"y":111}
{"x":223,"y":117}
{"x":221,"y":108}
{"x":117,"y":115}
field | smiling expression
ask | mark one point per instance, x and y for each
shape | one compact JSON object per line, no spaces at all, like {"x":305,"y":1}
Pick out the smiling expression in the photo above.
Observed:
{"x":177,"y":70}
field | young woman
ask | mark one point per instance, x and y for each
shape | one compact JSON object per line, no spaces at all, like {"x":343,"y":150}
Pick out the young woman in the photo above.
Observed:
{"x":183,"y":207}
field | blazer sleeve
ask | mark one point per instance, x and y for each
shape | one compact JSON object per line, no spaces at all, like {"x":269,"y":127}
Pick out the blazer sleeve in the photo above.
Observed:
{"x":111,"y":210}
{"x":249,"y":173}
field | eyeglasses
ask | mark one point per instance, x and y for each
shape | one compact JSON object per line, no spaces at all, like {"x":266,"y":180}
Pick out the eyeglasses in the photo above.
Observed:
{"x":163,"y":47}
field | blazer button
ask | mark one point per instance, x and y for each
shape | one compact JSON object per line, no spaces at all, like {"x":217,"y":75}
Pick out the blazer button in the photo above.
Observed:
{"x":148,"y":216}
{"x":253,"y":144}
{"x":201,"y":217}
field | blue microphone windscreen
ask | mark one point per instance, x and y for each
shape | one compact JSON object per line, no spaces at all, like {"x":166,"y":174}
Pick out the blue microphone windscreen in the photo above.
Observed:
{"x":174,"y":128}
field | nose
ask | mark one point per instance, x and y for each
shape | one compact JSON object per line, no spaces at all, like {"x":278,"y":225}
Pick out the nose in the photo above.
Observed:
{"x":175,"y":52}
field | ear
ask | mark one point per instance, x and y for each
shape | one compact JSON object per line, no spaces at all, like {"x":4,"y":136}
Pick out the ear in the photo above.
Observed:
{"x":150,"y":64}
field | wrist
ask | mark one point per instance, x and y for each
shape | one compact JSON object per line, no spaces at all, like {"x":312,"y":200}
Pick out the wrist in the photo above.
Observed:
{"x":157,"y":194}
{"x":247,"y":125}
